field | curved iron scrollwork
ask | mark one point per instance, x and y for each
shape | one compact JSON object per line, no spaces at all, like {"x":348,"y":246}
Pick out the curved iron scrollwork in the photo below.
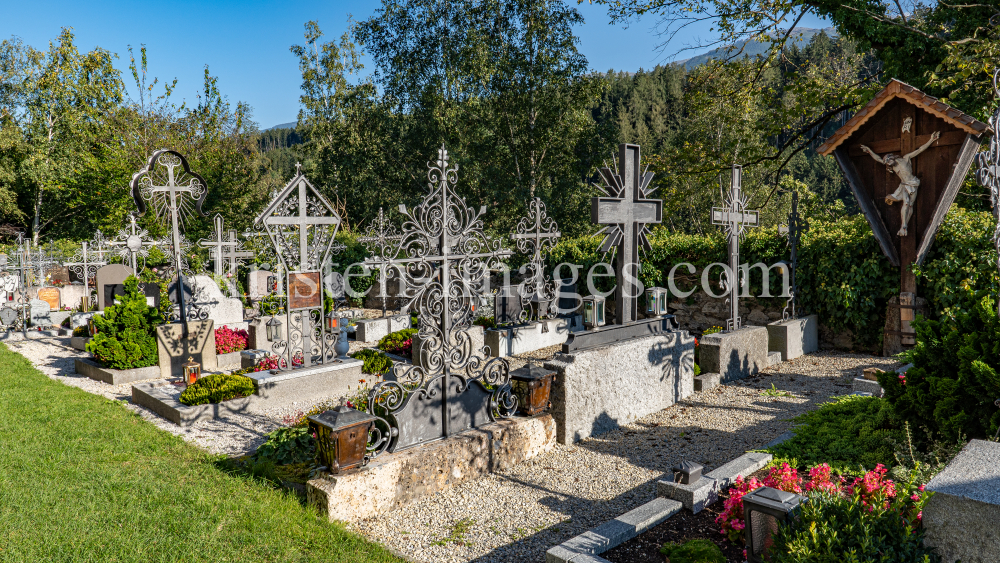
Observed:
{"x":988,"y":169}
{"x":444,"y":259}
{"x":91,"y":256}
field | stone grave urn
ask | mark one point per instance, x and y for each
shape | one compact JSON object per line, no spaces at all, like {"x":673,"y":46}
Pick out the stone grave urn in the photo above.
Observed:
{"x":342,"y":345}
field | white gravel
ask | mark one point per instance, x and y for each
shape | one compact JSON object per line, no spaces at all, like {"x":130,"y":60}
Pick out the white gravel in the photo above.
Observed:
{"x":519,"y":514}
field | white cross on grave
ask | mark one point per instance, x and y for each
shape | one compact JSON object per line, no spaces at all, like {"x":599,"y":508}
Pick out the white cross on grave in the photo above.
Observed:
{"x":274,"y":216}
{"x":626,"y":212}
{"x":133,"y":243}
{"x":381,"y":240}
{"x":736,"y":218}
{"x":224,"y":248}
{"x":87,"y":260}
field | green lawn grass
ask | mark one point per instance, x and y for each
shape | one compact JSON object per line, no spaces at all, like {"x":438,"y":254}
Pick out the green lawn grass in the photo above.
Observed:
{"x":84,"y":479}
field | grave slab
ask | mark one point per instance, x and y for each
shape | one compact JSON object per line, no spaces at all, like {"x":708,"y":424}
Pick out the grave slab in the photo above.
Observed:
{"x":112,"y":274}
{"x":228,"y":361}
{"x":794,"y":337}
{"x":73,"y":293}
{"x":161,"y":397}
{"x":79,"y":342}
{"x":695,"y":496}
{"x":251,"y":357}
{"x":960,"y":519}
{"x":736,"y":354}
{"x":332,"y":380}
{"x":51,"y":296}
{"x":862,"y":385}
{"x":39,"y":313}
{"x":221,"y":309}
{"x":90,"y":368}
{"x":373,"y":330}
{"x":773,"y":358}
{"x":599,"y":389}
{"x":586,"y":547}
{"x":744,"y":465}
{"x":394,"y":479}
{"x":174,"y":351}
{"x":707,"y":381}
{"x":76,"y":320}
{"x":511,"y":341}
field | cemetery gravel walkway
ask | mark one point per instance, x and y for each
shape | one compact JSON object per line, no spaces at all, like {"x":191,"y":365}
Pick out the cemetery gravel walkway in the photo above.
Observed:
{"x":517,"y":515}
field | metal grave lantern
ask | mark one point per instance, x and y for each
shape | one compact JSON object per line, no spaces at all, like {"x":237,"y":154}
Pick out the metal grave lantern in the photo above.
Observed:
{"x":532,"y":385}
{"x":593,"y":311}
{"x":341,"y":437}
{"x":332,"y":321}
{"x":656,"y":301}
{"x":91,"y":327}
{"x":688,"y":472}
{"x":192,"y":371}
{"x":763,"y":509}
{"x":302,"y":225}
{"x":273,"y":329}
{"x":444,"y":259}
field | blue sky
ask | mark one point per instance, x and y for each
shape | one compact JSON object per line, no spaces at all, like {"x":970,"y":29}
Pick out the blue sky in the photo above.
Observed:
{"x":246,"y":43}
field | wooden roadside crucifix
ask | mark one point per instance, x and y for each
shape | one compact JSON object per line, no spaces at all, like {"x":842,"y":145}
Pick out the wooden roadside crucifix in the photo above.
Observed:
{"x":908,"y":148}
{"x":736,"y":218}
{"x":626,"y":212}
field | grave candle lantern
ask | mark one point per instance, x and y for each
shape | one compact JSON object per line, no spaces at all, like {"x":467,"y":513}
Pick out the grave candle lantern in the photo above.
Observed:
{"x":763,"y":509}
{"x":539,"y":307}
{"x":273,"y":328}
{"x":687,"y":472}
{"x":192,"y":371}
{"x":341,"y":437}
{"x":91,"y":327}
{"x":532,"y":385}
{"x":331,"y":321}
{"x":593,"y":311}
{"x":656,"y":301}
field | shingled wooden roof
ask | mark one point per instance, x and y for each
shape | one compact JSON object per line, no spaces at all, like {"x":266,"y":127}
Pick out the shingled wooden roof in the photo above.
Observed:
{"x":897,"y":89}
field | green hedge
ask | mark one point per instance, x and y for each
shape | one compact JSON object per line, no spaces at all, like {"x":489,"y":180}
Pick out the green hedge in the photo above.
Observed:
{"x":216,"y":388}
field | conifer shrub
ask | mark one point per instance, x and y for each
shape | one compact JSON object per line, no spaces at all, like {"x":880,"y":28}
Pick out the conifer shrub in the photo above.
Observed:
{"x":126,"y":332}
{"x":216,"y":388}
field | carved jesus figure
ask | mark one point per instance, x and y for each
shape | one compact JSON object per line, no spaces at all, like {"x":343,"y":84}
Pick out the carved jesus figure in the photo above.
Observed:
{"x":908,"y":183}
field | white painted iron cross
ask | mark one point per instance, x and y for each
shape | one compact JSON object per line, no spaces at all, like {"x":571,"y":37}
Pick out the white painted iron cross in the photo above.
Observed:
{"x":736,"y":218}
{"x":224,"y":248}
{"x":626,"y":212}
{"x":88,"y":259}
{"x":323,"y":216}
{"x":381,"y":240}
{"x":134,"y":243}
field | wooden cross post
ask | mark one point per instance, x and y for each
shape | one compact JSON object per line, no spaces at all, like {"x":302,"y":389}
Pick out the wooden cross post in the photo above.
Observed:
{"x":625,"y":214}
{"x":736,"y":218}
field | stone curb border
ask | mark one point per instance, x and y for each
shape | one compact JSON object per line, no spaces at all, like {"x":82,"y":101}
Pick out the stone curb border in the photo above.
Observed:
{"x":586,"y":547}
{"x":89,"y":368}
{"x":152,"y":396}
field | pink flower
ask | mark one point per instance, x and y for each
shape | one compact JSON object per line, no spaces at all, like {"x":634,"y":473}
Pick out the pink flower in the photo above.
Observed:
{"x":914,"y":497}
{"x":920,"y":515}
{"x":902,"y":379}
{"x":920,"y":488}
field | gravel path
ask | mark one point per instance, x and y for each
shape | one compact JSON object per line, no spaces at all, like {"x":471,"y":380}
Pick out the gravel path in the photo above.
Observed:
{"x":518,"y":515}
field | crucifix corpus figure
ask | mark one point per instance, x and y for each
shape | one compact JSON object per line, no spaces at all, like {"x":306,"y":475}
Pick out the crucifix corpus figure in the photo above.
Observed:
{"x":908,"y":182}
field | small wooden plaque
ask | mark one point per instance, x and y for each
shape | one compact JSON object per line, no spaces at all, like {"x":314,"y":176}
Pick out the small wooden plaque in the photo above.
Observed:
{"x":305,"y":290}
{"x":51,"y":296}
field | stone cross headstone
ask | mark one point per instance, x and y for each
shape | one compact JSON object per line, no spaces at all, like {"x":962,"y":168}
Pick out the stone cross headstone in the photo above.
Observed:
{"x":112,"y":274}
{"x":626,"y":212}
{"x":736,"y":218}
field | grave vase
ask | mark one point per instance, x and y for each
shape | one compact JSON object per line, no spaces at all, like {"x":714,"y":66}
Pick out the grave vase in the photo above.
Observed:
{"x":342,"y":346}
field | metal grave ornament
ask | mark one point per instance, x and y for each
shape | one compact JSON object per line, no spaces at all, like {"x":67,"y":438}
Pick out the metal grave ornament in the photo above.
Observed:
{"x":17,"y":268}
{"x":626,"y":212}
{"x":736,"y":218}
{"x":302,"y":225}
{"x":796,"y":226}
{"x":381,"y":240}
{"x":226,"y":253}
{"x":536,"y":234}
{"x":90,"y":257}
{"x":445,"y":260}
{"x":134,"y":243}
{"x":175,"y":193}
{"x":988,"y":174}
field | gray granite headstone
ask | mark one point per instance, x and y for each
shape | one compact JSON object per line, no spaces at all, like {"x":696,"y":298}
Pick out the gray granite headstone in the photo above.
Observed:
{"x":40,"y":313}
{"x":110,"y":275}
{"x":221,"y":309}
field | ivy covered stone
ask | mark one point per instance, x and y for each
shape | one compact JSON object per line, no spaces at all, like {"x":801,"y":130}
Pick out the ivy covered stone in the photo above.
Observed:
{"x":216,"y":388}
{"x":126,"y":332}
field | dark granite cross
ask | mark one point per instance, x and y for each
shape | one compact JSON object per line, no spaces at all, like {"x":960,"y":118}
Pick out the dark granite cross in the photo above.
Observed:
{"x":626,"y":212}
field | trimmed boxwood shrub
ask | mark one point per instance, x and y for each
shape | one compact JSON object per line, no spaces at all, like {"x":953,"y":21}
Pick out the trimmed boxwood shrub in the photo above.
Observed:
{"x":216,"y":388}
{"x":375,"y":361}
{"x":126,"y":332}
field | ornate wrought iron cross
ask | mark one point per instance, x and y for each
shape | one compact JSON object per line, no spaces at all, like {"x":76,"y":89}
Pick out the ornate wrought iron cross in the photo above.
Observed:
{"x":90,"y":257}
{"x":40,"y":261}
{"x":174,"y":191}
{"x":381,"y":240}
{"x":988,"y":170}
{"x":445,"y":259}
{"x":536,"y":234}
{"x":134,"y":243}
{"x":736,"y":218}
{"x":302,"y":225}
{"x":626,"y":211}
{"x":796,"y":226}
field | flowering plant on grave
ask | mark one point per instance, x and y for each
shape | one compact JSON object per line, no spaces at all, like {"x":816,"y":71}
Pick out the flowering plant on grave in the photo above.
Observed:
{"x":873,"y":490}
{"x":731,"y":517}
{"x":784,"y":478}
{"x":228,"y":340}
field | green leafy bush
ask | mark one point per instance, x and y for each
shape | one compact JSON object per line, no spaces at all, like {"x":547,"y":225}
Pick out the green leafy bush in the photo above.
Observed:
{"x":846,"y":433}
{"x":485,"y":322}
{"x":288,"y":445}
{"x":80,"y":331}
{"x":693,"y":551}
{"x":216,"y":388}
{"x":399,"y":342}
{"x":375,"y":361}
{"x":954,"y":379}
{"x":126,"y":332}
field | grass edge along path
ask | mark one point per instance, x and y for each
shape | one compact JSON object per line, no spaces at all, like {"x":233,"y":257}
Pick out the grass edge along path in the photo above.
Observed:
{"x":82,"y":478}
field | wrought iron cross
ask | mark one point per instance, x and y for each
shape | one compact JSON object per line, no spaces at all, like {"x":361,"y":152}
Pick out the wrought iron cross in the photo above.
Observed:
{"x":40,"y":262}
{"x":224,"y":248}
{"x":626,"y":213}
{"x":381,"y":240}
{"x":796,"y":226}
{"x":301,"y":210}
{"x":88,"y":259}
{"x":736,"y":218}
{"x":988,"y":170}
{"x":536,"y":234}
{"x":133,"y":243}
{"x":168,"y":183}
